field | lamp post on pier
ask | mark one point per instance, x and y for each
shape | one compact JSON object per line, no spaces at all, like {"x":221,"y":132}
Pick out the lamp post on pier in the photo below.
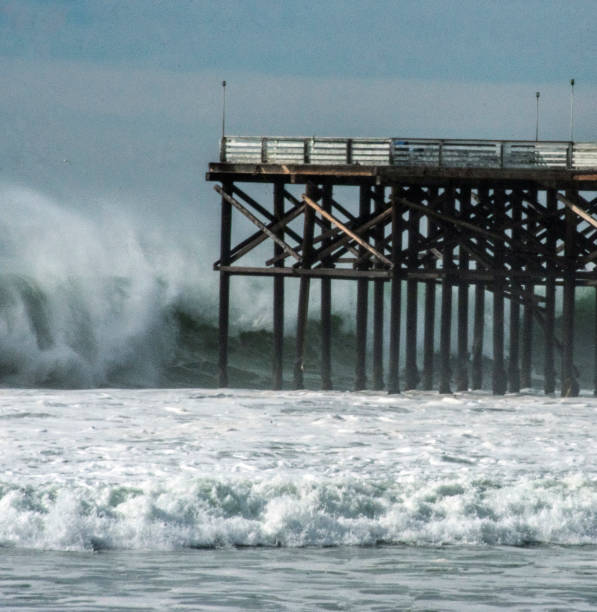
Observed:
{"x":571,"y":110}
{"x":538,"y":94}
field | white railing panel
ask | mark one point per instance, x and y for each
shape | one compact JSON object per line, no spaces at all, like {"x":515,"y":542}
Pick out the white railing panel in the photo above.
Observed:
{"x":371,"y":152}
{"x":409,"y":152}
{"x":284,"y":151}
{"x":328,"y":151}
{"x":584,"y":155}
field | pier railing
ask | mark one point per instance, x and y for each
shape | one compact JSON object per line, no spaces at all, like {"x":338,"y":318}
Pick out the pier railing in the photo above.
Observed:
{"x":410,"y":152}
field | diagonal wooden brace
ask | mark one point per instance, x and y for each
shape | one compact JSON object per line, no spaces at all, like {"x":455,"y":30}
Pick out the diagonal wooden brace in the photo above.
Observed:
{"x":348,"y":232}
{"x":256,"y":222}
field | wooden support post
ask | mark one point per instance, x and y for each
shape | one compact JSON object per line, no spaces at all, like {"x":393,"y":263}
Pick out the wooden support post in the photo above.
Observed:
{"x":479,"y":321}
{"x":498,"y":374}
{"x":326,"y":303}
{"x":429,"y":336}
{"x":527,"y":322}
{"x":514,"y":357}
{"x":362,"y":301}
{"x":478,"y":333}
{"x":429,"y":331}
{"x":394,"y":361}
{"x":549,"y":373}
{"x":278,"y":349}
{"x":378,"y":299}
{"x":411,"y":378}
{"x":224,"y":301}
{"x":463,"y":286}
{"x":446,"y":313}
{"x":569,"y":383}
{"x":303,"y":300}
{"x":595,"y":350}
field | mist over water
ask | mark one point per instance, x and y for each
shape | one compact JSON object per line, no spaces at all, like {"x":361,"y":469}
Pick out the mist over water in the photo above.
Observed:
{"x":89,"y":299}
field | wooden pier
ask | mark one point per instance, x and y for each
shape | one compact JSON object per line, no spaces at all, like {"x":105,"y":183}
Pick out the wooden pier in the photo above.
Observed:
{"x":516,"y":220}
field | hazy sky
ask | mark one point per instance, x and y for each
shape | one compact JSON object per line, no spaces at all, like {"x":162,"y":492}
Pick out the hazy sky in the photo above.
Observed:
{"x":122,"y":99}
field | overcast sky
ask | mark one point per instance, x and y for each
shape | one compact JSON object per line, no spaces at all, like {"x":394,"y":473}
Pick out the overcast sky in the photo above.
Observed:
{"x":121,"y":100}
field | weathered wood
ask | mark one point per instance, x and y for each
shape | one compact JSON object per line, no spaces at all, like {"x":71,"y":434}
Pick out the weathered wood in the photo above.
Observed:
{"x":529,"y":305}
{"x":381,"y":218}
{"x":278,"y":306}
{"x":326,"y":306}
{"x":287,"y":249}
{"x":378,"y":298}
{"x":411,"y":376}
{"x":478,"y":337}
{"x":224,"y":298}
{"x":303,"y":300}
{"x":489,"y":245}
{"x":362,"y":303}
{"x":394,"y":360}
{"x":257,"y":238}
{"x":347,"y":231}
{"x":445,"y":345}
{"x":463,"y":355}
{"x":481,"y":198}
{"x":514,"y":357}
{"x":451,"y":220}
{"x":498,"y":372}
{"x":569,"y":383}
{"x":429,"y":329}
{"x":549,"y":374}
{"x":262,"y":210}
{"x":595,"y":347}
{"x":577,"y":209}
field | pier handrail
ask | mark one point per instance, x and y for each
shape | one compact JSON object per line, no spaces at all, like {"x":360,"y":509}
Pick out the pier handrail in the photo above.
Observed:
{"x":426,"y":152}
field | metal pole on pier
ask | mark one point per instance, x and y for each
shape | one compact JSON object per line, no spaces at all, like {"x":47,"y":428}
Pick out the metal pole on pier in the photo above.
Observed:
{"x":223,"y":108}
{"x":571,"y":110}
{"x":538,"y":94}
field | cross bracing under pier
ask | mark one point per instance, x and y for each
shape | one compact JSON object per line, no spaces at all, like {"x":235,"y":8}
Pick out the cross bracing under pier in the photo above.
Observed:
{"x":514,"y":220}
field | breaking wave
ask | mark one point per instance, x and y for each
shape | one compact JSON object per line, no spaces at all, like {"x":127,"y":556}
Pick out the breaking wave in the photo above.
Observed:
{"x":208,"y":513}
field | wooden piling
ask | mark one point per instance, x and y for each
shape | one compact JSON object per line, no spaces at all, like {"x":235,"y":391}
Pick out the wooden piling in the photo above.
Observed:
{"x":326,"y":302}
{"x":378,"y":298}
{"x":498,"y":373}
{"x":528,"y":312}
{"x":569,"y":383}
{"x":463,"y":301}
{"x":479,"y":316}
{"x":362,"y":303}
{"x":394,"y":360}
{"x":478,"y":333}
{"x":446,"y":304}
{"x":224,"y":297}
{"x":411,"y":378}
{"x":595,"y":348}
{"x":278,"y":306}
{"x":515,"y":297}
{"x":429,"y":330}
{"x":303,"y":300}
{"x":549,"y":373}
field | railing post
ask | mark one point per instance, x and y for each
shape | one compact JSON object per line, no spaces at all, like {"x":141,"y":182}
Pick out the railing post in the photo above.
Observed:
{"x":223,"y":149}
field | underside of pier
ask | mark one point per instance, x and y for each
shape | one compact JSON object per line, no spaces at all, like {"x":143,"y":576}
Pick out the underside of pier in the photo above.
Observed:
{"x":447,"y":239}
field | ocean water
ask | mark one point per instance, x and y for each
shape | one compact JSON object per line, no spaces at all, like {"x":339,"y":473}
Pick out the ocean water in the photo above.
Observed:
{"x":142,"y":499}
